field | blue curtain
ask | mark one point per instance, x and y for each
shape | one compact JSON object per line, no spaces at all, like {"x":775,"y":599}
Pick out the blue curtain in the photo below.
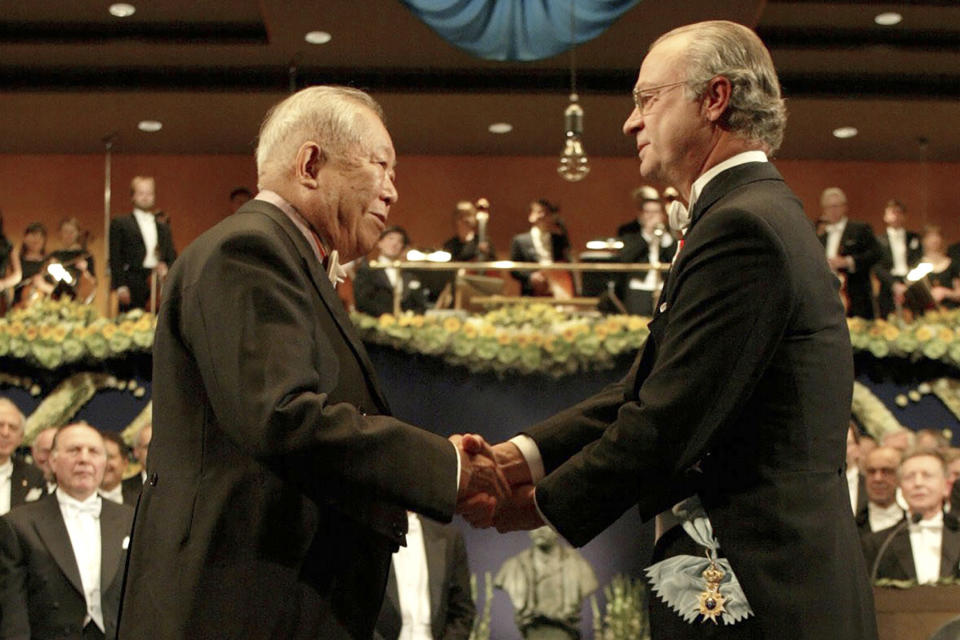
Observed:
{"x":517,"y":29}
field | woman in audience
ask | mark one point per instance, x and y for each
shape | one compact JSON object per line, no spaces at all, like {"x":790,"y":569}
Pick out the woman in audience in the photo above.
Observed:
{"x":74,"y":257}
{"x":33,"y":252}
{"x":9,"y":269}
{"x":945,"y":277}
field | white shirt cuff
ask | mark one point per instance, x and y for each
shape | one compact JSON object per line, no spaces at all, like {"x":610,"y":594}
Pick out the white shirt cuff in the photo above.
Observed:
{"x":531,"y":454}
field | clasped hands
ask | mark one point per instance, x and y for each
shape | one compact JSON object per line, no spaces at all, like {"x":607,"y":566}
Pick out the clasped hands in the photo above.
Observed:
{"x":496,"y":488}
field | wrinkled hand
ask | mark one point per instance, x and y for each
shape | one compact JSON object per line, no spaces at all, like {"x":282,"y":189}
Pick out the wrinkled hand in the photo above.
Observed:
{"x":480,"y":510}
{"x":479,"y":473}
{"x":518,"y":512}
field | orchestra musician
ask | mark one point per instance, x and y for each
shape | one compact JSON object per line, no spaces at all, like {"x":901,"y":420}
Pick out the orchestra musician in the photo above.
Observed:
{"x":76,"y":261}
{"x":545,"y":243}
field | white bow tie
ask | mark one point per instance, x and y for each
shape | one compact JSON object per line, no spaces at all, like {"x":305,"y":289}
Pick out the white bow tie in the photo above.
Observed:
{"x":678,"y":216}
{"x":335,"y":272}
{"x":87,"y":508}
{"x":928,"y":525}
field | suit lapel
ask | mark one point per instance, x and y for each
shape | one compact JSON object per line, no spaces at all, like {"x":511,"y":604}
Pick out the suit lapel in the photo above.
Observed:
{"x":903,"y":553}
{"x":950,"y":548}
{"x":112,"y":533}
{"x":435,"y":547}
{"x":328,"y":295}
{"x":53,"y":532}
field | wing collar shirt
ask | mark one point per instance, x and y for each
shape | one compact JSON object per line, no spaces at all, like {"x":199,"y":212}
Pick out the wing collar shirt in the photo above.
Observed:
{"x":6,"y":485}
{"x":883,"y":517}
{"x":898,"y":249}
{"x":148,"y":229}
{"x":926,"y":540}
{"x":82,"y":519}
{"x":413,"y":585}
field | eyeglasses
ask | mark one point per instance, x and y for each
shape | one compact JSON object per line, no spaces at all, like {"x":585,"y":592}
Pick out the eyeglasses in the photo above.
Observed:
{"x":643,"y":98}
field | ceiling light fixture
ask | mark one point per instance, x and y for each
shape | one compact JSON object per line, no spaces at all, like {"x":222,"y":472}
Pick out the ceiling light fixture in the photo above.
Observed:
{"x":122,"y":10}
{"x":888,"y":18}
{"x":574,"y":165}
{"x":500,"y":127}
{"x":149,"y":126}
{"x":845,"y":132}
{"x":318,"y":37}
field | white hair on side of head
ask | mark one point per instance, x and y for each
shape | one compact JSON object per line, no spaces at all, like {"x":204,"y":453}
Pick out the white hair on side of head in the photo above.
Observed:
{"x":722,"y":48}
{"x":325,"y":114}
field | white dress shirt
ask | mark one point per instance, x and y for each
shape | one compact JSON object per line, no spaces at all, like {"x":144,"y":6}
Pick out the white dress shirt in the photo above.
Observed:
{"x":148,"y":229}
{"x":83,"y":526}
{"x":926,"y":540}
{"x":898,"y":248}
{"x":6,"y":485}
{"x":413,"y":584}
{"x":834,"y":232}
{"x":114,"y":495}
{"x":542,"y":245}
{"x":881,"y":518}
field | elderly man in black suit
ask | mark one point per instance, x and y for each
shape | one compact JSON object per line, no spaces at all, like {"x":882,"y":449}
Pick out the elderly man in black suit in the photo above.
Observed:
{"x":140,"y":245}
{"x":738,"y":404}
{"x":20,"y":482}
{"x":278,"y":480}
{"x":926,"y":547}
{"x":61,"y":557}
{"x":900,"y":251}
{"x":428,"y":591}
{"x":851,"y":250}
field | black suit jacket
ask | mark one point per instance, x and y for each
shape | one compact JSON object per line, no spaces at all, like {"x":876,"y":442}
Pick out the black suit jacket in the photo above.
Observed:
{"x":132,"y":487}
{"x":127,"y":252}
{"x":740,"y":395}
{"x":451,"y":607}
{"x":884,"y":265}
{"x":41,"y":595}
{"x":277,"y":479}
{"x":522,"y":250}
{"x":858,"y":242}
{"x":373,"y":292}
{"x":24,"y":481}
{"x":897,"y":561}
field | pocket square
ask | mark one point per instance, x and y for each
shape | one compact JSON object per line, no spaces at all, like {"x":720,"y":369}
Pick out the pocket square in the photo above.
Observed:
{"x":126,"y":542}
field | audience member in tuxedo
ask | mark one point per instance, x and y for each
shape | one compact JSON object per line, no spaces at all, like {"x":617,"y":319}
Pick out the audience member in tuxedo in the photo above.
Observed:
{"x":374,"y":289}
{"x":61,"y":558}
{"x":133,"y":485}
{"x":462,"y":246}
{"x":545,"y":243}
{"x":139,"y":245}
{"x":881,"y":469}
{"x":239,"y":197}
{"x":40,"y":452}
{"x":428,"y":590}
{"x":851,"y":250}
{"x":734,"y":415}
{"x":644,"y":240}
{"x":33,"y":254}
{"x":78,"y":262}
{"x":20,"y":482}
{"x":929,"y":549}
{"x":900,"y":251}
{"x":278,"y":478}
{"x":856,"y":484}
{"x":902,"y":439}
{"x":10,"y":270}
{"x":944,"y":279}
{"x":112,"y":487}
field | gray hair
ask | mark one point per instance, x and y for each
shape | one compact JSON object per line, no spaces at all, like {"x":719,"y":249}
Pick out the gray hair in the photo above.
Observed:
{"x":326,"y":114}
{"x":831,"y":192}
{"x":721,"y":48}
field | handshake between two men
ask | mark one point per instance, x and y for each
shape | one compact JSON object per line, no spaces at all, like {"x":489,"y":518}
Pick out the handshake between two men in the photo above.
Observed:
{"x":496,"y":485}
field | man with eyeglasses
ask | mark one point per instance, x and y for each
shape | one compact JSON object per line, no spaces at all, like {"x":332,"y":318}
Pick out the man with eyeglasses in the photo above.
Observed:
{"x":736,"y":411}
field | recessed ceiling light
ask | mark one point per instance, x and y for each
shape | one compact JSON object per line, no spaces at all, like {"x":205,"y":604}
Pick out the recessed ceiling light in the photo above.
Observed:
{"x":318,"y":37}
{"x":150,"y":126}
{"x":845,"y":132}
{"x":500,"y":127}
{"x":888,"y":18}
{"x":122,"y":10}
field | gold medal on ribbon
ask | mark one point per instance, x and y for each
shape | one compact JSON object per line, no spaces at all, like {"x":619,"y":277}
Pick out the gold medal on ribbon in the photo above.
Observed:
{"x":710,"y":604}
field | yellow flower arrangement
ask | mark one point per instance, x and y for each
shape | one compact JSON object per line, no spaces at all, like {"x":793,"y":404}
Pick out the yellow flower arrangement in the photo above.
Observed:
{"x":933,"y":336}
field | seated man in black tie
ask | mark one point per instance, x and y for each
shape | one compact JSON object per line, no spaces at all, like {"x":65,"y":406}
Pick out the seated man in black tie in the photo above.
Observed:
{"x":61,"y":558}
{"x":376,"y":289}
{"x":881,"y":467}
{"x":20,"y":482}
{"x":928,"y":547}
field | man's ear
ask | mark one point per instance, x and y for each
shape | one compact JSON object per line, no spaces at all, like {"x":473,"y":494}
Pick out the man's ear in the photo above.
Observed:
{"x":716,"y":98}
{"x":310,"y":159}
